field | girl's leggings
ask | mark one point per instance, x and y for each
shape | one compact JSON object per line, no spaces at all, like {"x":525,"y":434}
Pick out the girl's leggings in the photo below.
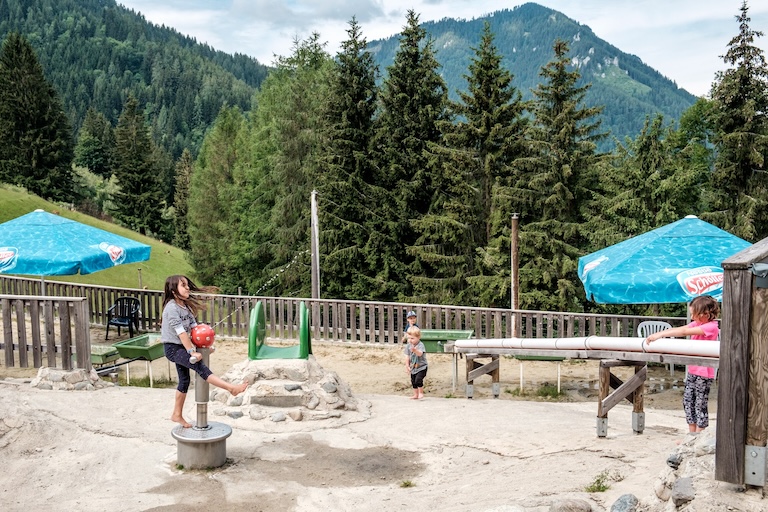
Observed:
{"x":696,"y":400}
{"x":178,"y":354}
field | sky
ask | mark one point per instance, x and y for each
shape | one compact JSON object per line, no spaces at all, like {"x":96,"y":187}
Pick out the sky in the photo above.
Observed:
{"x":682,"y":39}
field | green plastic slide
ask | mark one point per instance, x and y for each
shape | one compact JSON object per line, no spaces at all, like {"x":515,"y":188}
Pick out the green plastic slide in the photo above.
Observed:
{"x":257,"y":332}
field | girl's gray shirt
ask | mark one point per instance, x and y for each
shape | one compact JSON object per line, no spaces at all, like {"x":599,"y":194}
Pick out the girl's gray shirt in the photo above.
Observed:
{"x":176,"y":319}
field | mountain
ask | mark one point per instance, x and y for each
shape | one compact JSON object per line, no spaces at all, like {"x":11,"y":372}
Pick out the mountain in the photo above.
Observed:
{"x":629,"y":89}
{"x":95,"y":51}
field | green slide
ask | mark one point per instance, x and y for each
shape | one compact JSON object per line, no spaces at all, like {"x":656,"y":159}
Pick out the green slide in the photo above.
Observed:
{"x":257,"y":332}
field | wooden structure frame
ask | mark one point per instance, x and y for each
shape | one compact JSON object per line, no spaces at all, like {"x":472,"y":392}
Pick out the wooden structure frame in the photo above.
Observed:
{"x":742,"y":400}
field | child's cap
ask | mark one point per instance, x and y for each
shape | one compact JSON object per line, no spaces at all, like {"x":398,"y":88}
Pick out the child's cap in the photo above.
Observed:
{"x":410,"y":314}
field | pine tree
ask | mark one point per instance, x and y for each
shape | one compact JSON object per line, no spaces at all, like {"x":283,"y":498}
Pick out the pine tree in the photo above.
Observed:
{"x":138,"y":204}
{"x":555,"y":188}
{"x":181,"y":200}
{"x":347,"y":187}
{"x":413,"y":100}
{"x":740,"y":96}
{"x":35,"y":136}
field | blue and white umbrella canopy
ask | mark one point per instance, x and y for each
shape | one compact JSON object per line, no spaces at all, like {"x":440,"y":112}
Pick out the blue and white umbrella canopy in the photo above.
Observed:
{"x":43,"y":244}
{"x":673,"y":263}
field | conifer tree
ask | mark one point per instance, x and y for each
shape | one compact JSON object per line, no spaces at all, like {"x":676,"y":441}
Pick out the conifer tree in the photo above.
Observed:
{"x":413,"y":101}
{"x":35,"y":135}
{"x":740,"y":96}
{"x":478,"y":155}
{"x":555,"y":188}
{"x":184,"y":169}
{"x":95,"y":147}
{"x":212,"y":222}
{"x":138,"y":204}
{"x":347,"y":190}
{"x":299,"y":138}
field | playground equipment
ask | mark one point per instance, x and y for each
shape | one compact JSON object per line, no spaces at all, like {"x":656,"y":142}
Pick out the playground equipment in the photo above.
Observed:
{"x":258,"y":349}
{"x":205,"y":444}
{"x":612,"y":352}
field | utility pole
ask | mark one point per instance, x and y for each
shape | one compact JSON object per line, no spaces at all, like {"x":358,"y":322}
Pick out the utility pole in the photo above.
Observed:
{"x":514,"y":271}
{"x":315,"y":246}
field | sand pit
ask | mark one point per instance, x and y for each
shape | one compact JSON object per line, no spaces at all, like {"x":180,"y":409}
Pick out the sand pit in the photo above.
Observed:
{"x":111,"y":448}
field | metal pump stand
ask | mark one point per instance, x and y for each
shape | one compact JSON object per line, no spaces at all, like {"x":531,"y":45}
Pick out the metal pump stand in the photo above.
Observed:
{"x":205,"y":444}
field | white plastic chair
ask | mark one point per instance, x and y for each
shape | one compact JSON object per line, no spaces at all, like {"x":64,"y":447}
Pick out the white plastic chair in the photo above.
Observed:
{"x":645,"y":329}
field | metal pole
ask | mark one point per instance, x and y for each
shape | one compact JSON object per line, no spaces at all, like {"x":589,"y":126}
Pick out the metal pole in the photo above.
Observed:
{"x":314,"y":246}
{"x":139,"y":277}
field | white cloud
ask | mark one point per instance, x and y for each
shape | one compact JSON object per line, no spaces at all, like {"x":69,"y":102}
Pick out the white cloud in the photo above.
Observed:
{"x":682,"y":39}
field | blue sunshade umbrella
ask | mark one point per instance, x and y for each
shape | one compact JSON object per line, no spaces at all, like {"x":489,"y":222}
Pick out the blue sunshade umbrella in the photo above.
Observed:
{"x":43,"y":244}
{"x":673,"y":263}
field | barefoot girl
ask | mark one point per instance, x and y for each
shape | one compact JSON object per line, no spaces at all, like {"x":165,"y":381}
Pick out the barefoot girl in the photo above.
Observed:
{"x":180,"y":306}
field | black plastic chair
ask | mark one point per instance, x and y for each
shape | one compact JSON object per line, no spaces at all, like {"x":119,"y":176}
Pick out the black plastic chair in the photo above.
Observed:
{"x":124,"y":313}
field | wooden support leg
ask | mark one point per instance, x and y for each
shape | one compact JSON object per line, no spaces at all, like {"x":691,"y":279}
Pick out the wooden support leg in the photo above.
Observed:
{"x":638,"y":416}
{"x":476,"y":369}
{"x":602,"y":412}
{"x":470,"y":381}
{"x":495,"y":374}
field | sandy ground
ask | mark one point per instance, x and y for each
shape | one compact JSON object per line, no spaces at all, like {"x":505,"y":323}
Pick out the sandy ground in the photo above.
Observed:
{"x":112,"y":449}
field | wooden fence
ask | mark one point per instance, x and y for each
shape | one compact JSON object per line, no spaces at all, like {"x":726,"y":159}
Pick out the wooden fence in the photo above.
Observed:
{"x":340,"y":320}
{"x":49,"y":329}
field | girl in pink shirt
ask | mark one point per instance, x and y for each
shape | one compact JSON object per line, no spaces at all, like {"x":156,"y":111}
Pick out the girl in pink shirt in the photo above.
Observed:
{"x":704,"y":311}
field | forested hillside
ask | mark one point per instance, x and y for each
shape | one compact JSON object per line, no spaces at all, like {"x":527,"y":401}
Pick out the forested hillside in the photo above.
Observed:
{"x":628,"y":90}
{"x":95,"y":52}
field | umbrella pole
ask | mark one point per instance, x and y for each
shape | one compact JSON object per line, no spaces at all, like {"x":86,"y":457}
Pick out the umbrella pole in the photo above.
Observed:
{"x":42,"y":286}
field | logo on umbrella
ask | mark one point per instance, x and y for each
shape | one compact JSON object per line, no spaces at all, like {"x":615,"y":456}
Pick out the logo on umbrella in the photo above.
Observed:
{"x":8,"y":258}
{"x":116,"y":253}
{"x":701,"y":280}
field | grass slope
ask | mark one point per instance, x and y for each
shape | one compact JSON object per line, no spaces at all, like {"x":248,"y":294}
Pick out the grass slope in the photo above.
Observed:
{"x":164,"y":260}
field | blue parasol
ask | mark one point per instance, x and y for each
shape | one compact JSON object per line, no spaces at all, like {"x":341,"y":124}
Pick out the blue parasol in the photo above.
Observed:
{"x":673,"y":263}
{"x":43,"y":244}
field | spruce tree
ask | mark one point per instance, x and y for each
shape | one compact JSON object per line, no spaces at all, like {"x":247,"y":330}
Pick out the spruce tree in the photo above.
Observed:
{"x":184,"y":169}
{"x":139,"y":203}
{"x":413,"y":101}
{"x":35,"y":136}
{"x":555,"y":188}
{"x":212,"y":221}
{"x":95,"y":147}
{"x":478,"y":156}
{"x":740,"y":96}
{"x":299,"y":138}
{"x":347,"y":187}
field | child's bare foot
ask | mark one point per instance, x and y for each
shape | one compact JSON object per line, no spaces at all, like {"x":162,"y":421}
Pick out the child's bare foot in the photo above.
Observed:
{"x":415,"y":397}
{"x":181,"y":421}
{"x":238,"y":388}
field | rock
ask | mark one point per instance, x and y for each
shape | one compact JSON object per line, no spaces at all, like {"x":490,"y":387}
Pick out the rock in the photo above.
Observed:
{"x":278,"y":416}
{"x":292,"y":387}
{"x":570,"y":505}
{"x":682,"y":491}
{"x":625,"y":503}
{"x":295,"y":415}
{"x":257,"y":413}
{"x":235,"y":401}
{"x":329,"y":387}
{"x":674,"y":460}
{"x":237,"y":413}
{"x":313,"y":402}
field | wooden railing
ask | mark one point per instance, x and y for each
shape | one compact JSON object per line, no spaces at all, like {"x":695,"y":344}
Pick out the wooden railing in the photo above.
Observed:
{"x":47,"y":329}
{"x":343,"y":320}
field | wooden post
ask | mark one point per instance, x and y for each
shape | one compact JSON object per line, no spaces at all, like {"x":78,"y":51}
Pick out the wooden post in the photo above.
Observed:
{"x":734,"y":363}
